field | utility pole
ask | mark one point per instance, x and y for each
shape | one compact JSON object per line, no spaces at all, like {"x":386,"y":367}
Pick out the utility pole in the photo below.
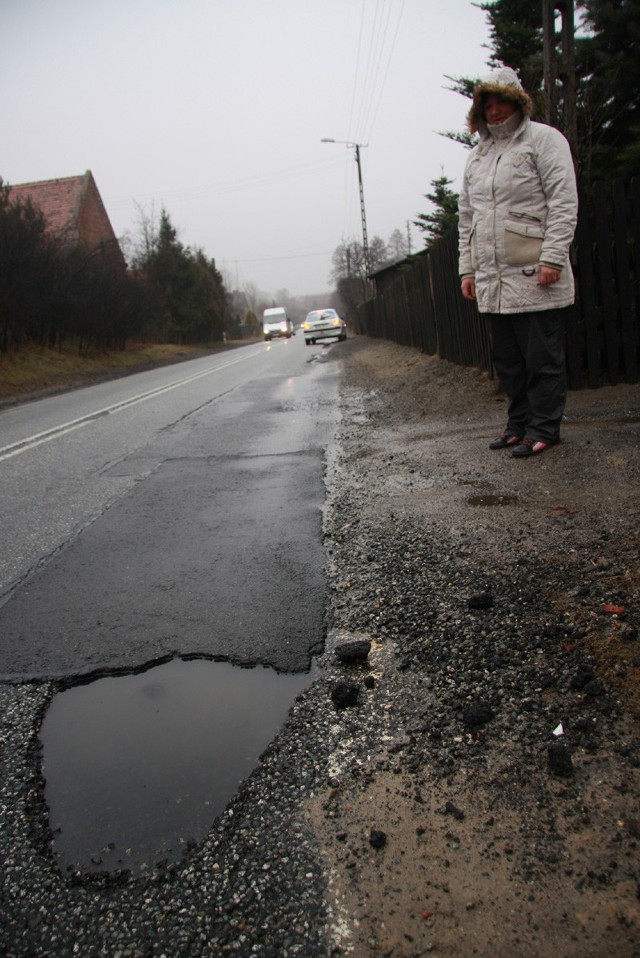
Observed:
{"x":365,"y":242}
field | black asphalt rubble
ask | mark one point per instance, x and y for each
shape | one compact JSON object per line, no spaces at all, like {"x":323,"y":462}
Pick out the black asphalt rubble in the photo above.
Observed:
{"x":480,"y":794}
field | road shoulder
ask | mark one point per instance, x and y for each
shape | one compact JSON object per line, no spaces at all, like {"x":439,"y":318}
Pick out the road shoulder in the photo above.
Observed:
{"x":496,"y":748}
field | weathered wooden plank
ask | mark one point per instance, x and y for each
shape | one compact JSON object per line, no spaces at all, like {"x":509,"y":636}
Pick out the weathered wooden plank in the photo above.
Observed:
{"x":604,"y":263}
{"x":588,"y":308}
{"x":634,"y":197}
{"x":628,"y":327}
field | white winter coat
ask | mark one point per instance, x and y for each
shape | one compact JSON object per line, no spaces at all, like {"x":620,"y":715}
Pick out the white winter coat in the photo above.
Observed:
{"x":518,"y":208}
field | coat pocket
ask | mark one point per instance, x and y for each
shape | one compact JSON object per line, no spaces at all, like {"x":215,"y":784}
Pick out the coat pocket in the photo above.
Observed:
{"x":522,"y":242}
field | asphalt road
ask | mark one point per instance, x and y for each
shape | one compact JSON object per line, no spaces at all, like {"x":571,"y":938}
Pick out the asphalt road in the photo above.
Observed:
{"x":174,"y":512}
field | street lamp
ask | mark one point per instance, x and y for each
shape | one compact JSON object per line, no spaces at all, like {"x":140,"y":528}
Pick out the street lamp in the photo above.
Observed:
{"x":357,"y":147}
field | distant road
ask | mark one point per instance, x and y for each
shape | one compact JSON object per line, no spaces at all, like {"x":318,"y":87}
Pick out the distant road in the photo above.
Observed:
{"x":173,"y":512}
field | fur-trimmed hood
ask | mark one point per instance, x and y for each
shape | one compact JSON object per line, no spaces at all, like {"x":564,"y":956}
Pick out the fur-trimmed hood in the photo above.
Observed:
{"x":504,"y":82}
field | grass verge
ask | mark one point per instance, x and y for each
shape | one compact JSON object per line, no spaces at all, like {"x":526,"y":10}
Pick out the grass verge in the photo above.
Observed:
{"x":36,"y":370}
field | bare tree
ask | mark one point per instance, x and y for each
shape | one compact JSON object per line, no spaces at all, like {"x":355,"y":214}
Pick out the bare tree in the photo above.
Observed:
{"x":145,"y":241}
{"x":397,"y":247}
{"x":253,"y":297}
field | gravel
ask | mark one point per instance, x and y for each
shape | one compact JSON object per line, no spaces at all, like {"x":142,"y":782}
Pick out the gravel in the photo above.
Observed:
{"x":467,"y":782}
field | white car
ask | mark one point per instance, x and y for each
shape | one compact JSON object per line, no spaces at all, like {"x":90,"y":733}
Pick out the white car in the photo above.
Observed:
{"x":323,"y":324}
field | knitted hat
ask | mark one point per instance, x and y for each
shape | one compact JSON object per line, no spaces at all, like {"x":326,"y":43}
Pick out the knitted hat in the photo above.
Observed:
{"x":506,"y":84}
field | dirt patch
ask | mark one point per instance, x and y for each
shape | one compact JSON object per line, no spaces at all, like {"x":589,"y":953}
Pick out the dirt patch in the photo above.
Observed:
{"x":450,"y":878}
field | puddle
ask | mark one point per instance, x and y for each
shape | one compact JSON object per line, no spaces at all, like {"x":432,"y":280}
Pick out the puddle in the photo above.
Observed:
{"x":137,"y":767}
{"x":492,"y":500}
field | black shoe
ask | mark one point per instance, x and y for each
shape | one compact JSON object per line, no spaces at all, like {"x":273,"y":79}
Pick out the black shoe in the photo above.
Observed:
{"x":505,"y":440}
{"x":531,"y":447}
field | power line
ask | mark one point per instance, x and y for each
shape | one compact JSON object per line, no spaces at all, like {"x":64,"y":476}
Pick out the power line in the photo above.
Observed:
{"x":386,"y":72}
{"x":380,"y":54}
{"x":369,"y":83}
{"x":357,"y":70}
{"x":378,"y":40}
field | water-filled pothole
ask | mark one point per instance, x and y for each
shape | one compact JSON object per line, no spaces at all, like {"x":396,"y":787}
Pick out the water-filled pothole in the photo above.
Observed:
{"x":492,"y":500}
{"x":137,"y":767}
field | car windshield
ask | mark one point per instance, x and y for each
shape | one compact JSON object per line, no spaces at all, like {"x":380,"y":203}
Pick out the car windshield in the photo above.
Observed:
{"x":321,"y":314}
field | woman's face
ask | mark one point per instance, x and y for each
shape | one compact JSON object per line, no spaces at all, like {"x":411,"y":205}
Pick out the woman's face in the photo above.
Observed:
{"x":497,"y":109}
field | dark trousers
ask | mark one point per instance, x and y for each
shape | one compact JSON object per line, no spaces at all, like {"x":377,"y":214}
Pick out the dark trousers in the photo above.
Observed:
{"x":528,"y":355}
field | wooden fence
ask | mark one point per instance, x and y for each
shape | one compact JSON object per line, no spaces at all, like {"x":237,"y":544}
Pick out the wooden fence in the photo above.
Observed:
{"x":422,"y":306}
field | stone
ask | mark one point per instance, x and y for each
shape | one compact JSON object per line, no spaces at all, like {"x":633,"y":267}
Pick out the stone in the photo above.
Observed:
{"x":559,"y":760}
{"x":377,"y":838}
{"x":478,"y":714}
{"x":356,"y":651}
{"x":451,"y":809}
{"x":483,"y":600}
{"x":344,"y":695}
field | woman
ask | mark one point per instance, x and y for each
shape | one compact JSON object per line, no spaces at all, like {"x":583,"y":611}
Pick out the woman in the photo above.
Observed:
{"x":518,"y":209}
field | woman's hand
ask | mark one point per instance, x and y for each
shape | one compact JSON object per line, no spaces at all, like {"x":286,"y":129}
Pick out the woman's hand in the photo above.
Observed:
{"x":548,"y":275}
{"x":468,"y":287}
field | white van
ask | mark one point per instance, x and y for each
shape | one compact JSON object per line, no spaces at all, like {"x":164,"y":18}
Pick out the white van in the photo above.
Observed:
{"x":275,"y":323}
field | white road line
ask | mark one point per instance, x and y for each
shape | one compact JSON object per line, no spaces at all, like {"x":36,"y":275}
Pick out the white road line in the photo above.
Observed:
{"x":15,"y":448}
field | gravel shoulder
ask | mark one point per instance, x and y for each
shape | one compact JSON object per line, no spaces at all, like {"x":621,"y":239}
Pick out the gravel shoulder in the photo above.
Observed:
{"x":441,"y":813}
{"x":503,"y":836}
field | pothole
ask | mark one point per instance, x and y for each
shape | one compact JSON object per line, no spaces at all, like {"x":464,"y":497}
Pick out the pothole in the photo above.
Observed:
{"x":490,"y":500}
{"x":137,"y":767}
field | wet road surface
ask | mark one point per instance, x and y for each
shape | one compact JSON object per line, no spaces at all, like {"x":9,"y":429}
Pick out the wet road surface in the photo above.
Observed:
{"x":184,"y":521}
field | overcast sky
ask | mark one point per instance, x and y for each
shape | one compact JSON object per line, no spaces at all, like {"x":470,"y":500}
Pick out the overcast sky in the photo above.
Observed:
{"x":215,"y":110}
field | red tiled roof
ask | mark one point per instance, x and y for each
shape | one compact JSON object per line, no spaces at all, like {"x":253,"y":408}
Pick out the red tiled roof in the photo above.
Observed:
{"x":73,"y":209}
{"x":59,"y":200}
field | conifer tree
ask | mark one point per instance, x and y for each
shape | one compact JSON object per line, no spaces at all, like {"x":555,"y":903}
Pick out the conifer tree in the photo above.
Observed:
{"x":444,"y":216}
{"x":608,"y":69}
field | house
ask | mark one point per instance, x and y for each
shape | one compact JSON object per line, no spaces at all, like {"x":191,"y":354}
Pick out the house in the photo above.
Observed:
{"x":74,"y":211}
